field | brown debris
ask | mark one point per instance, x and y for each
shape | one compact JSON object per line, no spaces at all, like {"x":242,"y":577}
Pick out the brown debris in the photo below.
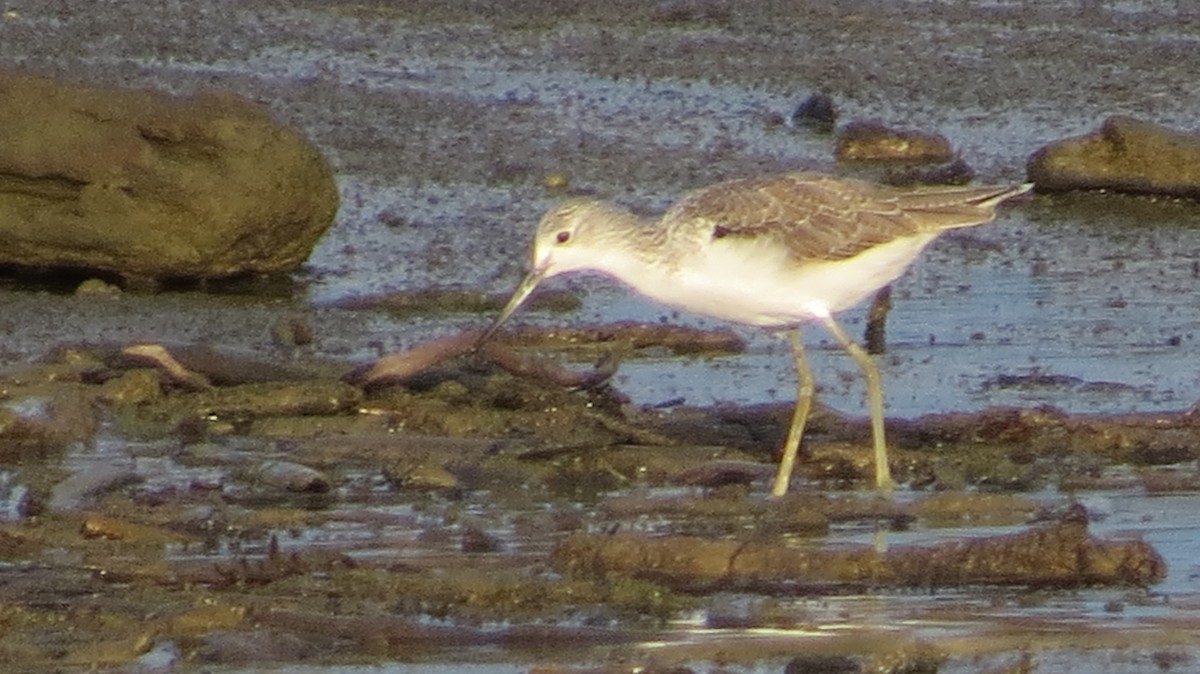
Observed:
{"x":475,"y":540}
{"x":798,"y":512}
{"x":721,"y":473}
{"x":680,"y":340}
{"x":397,"y":632}
{"x":1144,"y":438}
{"x":1062,"y":555}
{"x":398,"y":367}
{"x":953,"y":508}
{"x":230,"y":369}
{"x":198,"y":367}
{"x":723,"y":515}
{"x":95,"y":526}
{"x":547,"y":371}
{"x":157,"y":356}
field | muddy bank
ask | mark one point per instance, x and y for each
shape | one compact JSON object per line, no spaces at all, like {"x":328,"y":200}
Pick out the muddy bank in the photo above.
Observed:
{"x":229,"y":506}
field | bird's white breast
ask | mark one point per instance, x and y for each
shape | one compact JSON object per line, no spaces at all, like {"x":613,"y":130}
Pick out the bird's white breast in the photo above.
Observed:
{"x":755,"y":282}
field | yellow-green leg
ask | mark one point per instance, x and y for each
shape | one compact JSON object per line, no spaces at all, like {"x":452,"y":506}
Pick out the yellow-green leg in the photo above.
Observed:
{"x":883,"y":472}
{"x":804,"y":395}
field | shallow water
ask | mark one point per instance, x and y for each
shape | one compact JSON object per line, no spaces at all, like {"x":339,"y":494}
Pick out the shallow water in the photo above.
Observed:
{"x":1082,"y":630}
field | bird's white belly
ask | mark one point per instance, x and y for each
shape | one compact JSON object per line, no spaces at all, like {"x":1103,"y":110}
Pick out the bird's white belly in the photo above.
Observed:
{"x":759,"y":285}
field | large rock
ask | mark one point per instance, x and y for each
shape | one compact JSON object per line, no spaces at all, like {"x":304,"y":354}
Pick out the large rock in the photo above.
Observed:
{"x":146,"y":185}
{"x":1125,"y":154}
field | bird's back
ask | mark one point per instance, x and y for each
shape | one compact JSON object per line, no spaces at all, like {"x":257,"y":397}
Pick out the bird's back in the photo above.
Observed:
{"x":821,"y":217}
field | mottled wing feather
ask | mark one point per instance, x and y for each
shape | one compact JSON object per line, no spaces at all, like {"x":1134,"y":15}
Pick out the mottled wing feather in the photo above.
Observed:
{"x":817,"y":216}
{"x":811,"y":215}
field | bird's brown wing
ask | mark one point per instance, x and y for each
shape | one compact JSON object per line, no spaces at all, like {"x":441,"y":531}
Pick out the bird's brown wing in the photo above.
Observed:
{"x":820,"y":217}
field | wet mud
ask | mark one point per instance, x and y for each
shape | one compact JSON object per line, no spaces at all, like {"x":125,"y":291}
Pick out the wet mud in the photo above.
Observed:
{"x":320,"y":472}
{"x":313,"y":521}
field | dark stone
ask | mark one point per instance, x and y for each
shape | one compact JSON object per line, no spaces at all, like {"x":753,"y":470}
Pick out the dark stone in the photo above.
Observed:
{"x":721,"y":473}
{"x":476,"y":540}
{"x":817,"y":113}
{"x":145,"y":185}
{"x":819,"y":663}
{"x":957,"y":172}
{"x":1124,"y":154}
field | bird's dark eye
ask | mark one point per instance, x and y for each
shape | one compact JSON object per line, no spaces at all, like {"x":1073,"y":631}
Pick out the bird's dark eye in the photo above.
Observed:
{"x":563,"y":237}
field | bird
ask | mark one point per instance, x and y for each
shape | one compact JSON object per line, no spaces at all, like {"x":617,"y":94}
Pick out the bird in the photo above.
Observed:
{"x":774,"y":252}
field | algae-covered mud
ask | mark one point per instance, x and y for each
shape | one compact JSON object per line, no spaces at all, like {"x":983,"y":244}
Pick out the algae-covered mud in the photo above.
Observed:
{"x":229,"y":478}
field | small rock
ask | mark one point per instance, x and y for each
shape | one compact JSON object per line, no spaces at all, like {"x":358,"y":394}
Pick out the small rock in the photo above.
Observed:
{"x":76,"y":491}
{"x":292,"y":331}
{"x":1124,"y":154}
{"x":113,"y":529}
{"x":421,"y":475}
{"x":134,"y":387}
{"x":292,"y":477}
{"x":818,"y":113}
{"x":1166,"y":660}
{"x":556,"y":181}
{"x":199,"y":520}
{"x":98,"y":288}
{"x":476,"y":540}
{"x":872,"y":141}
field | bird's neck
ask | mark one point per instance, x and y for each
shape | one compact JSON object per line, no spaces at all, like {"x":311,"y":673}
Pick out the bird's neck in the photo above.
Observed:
{"x":630,"y":248}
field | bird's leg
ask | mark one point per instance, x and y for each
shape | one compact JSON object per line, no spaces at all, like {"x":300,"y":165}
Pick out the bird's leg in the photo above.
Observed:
{"x":883,"y":472}
{"x":804,"y":395}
